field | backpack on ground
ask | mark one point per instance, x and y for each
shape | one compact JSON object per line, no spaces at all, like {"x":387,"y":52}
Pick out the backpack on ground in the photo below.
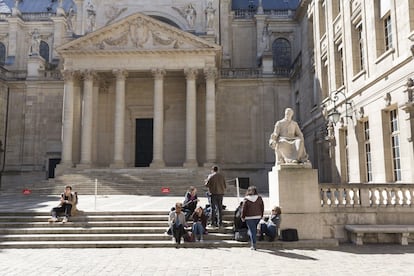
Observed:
{"x":241,"y":235}
{"x":289,"y":234}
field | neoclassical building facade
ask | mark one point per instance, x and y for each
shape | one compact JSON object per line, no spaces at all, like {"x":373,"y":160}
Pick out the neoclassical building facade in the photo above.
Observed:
{"x":186,"y":84}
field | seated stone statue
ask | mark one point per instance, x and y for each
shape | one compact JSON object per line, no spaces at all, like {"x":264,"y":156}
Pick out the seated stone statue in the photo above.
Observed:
{"x":287,"y":141}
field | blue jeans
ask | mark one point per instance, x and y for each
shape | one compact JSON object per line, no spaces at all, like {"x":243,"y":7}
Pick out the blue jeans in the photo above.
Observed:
{"x":217,"y":209}
{"x":268,"y":230}
{"x":198,"y":229}
{"x":252,"y":226}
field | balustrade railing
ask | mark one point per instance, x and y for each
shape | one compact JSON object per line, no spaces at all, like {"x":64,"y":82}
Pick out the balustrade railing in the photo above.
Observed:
{"x":366,"y":195}
{"x":241,"y":73}
{"x":250,"y":13}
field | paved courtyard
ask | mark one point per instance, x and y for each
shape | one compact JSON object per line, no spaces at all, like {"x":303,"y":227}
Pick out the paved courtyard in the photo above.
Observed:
{"x":344,"y":260}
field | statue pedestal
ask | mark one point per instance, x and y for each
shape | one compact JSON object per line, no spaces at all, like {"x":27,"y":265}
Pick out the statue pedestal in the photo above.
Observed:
{"x":267,"y":63}
{"x":294,"y":187}
{"x":35,"y":65}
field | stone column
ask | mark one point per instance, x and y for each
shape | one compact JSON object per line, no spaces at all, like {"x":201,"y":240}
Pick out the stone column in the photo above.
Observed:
{"x":87,"y":119}
{"x":158,"y":147}
{"x":210,"y":75}
{"x":67,"y":132}
{"x":191,"y":119}
{"x":119,"y":128}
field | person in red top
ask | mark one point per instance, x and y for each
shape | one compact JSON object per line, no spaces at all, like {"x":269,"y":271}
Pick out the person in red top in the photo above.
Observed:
{"x":252,"y":212}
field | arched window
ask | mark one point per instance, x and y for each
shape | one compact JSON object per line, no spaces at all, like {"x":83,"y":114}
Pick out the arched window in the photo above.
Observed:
{"x":44,"y":50}
{"x":2,"y":54}
{"x":281,"y":54}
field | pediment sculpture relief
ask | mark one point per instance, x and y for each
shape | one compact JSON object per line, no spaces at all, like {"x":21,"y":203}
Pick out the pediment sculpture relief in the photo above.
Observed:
{"x":138,"y":32}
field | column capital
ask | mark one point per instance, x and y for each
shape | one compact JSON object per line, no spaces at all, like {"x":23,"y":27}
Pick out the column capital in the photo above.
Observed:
{"x":89,"y":75}
{"x":158,"y":73}
{"x":210,"y":73}
{"x":69,"y":75}
{"x":120,"y":73}
{"x":190,"y":73}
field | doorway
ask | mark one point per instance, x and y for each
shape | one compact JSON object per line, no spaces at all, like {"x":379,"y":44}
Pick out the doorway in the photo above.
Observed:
{"x":53,"y":162}
{"x":143,"y":142}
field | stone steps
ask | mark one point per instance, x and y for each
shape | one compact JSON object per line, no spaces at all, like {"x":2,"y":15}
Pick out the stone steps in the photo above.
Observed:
{"x":132,"y":181}
{"x":100,"y":229}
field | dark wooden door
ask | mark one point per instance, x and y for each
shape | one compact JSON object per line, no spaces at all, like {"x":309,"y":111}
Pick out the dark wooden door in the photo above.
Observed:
{"x":143,"y":142}
{"x":52,"y":166}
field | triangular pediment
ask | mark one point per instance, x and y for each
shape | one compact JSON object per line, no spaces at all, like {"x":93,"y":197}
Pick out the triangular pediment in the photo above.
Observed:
{"x":137,"y":32}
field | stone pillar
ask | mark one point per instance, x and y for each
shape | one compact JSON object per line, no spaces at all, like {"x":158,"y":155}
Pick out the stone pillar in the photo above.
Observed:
{"x":158,"y":148}
{"x":67,"y":131}
{"x":210,"y":75}
{"x":294,"y":187}
{"x":191,"y":119}
{"x":87,"y":119}
{"x":119,"y":128}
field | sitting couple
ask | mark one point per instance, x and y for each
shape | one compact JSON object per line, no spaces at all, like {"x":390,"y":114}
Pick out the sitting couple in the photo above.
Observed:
{"x":177,"y":223}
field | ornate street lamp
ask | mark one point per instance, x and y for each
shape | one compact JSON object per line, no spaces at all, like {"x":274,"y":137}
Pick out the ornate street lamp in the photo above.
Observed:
{"x":334,"y":115}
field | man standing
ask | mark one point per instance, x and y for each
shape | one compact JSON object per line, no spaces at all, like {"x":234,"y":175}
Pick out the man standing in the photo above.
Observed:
{"x":216,"y":184}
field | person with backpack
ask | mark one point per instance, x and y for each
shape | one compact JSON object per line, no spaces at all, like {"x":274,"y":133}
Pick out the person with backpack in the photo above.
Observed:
{"x":68,"y":201}
{"x":252,"y":212}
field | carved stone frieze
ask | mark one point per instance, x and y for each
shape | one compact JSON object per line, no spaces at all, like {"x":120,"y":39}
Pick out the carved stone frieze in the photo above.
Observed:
{"x":138,"y":32}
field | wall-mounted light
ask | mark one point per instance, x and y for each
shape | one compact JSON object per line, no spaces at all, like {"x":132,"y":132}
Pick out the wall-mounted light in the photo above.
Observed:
{"x":334,"y":115}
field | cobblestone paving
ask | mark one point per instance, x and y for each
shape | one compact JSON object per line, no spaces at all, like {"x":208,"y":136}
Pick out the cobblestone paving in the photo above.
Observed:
{"x":343,"y":260}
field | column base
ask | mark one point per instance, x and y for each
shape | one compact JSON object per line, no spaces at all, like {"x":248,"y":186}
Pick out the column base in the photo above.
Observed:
{"x":117,"y":165}
{"x":190,"y":164}
{"x":84,"y":166}
{"x":156,"y":164}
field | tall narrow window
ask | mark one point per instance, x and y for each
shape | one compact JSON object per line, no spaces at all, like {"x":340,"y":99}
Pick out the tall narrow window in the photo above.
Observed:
{"x":322,"y":20}
{"x":339,"y":67}
{"x":395,"y":145}
{"x":367,"y":146}
{"x":281,"y":55}
{"x":346,"y":156}
{"x":358,"y":55}
{"x":387,"y":32}
{"x":361,"y":48}
{"x":44,"y":50}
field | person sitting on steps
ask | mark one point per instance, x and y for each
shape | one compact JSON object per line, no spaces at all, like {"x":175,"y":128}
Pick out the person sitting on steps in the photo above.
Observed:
{"x":68,"y":201}
{"x":270,"y":225}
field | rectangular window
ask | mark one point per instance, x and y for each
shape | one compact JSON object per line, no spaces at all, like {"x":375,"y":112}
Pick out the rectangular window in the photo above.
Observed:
{"x":346,"y":156}
{"x":343,"y":155}
{"x":395,"y":145}
{"x":322,"y":20}
{"x":339,"y":67}
{"x":387,"y":32}
{"x":367,"y":147}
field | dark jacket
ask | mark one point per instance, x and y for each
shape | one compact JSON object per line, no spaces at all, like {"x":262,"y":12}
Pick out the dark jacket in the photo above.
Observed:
{"x":253,"y":207}
{"x":216,"y":184}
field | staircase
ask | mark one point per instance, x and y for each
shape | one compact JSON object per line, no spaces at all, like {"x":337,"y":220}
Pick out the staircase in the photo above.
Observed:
{"x":132,"y":181}
{"x":102,"y":230}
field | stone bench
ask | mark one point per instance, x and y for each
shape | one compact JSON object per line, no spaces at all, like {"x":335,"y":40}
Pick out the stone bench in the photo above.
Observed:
{"x":357,"y":231}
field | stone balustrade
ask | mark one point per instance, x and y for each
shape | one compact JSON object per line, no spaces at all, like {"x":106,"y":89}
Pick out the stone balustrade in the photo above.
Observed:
{"x":366,"y":195}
